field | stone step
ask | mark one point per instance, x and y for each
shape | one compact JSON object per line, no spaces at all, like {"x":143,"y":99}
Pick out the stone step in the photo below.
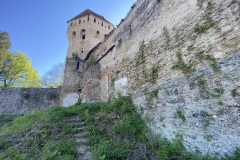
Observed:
{"x":75,"y":119}
{"x":81,"y":140}
{"x":85,"y":156}
{"x":77,"y":124}
{"x":80,"y":129}
{"x":82,"y":149}
{"x":81,"y":135}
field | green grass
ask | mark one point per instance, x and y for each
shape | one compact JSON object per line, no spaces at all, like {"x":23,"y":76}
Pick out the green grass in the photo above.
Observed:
{"x":116,"y":132}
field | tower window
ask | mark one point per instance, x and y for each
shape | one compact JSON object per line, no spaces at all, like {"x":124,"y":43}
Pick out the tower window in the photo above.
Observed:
{"x":71,"y":24}
{"x":79,"y":21}
{"x":82,"y":50}
{"x":94,"y":20}
{"x":108,"y":26}
{"x":83,"y":33}
{"x":102,"y":23}
{"x":97,"y":34}
{"x":88,"y":18}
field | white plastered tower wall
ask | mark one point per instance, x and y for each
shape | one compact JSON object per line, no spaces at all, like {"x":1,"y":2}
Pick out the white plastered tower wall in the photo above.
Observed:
{"x":84,"y":32}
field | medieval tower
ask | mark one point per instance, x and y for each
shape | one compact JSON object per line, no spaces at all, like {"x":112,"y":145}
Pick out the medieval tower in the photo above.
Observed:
{"x":84,"y":32}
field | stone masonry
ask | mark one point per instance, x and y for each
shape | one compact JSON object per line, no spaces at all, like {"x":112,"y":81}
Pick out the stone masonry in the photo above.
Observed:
{"x":179,"y":60}
{"x":17,"y":101}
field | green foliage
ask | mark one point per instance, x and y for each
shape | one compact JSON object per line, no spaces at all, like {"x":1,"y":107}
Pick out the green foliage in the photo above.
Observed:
{"x":206,"y":121}
{"x":154,"y":74}
{"x":208,"y":137}
{"x":181,"y":115}
{"x":234,"y":93}
{"x":220,"y":103}
{"x":90,"y":61}
{"x":116,"y":131}
{"x":199,"y":29}
{"x":191,"y":47}
{"x":141,"y":56}
{"x":167,"y":36}
{"x":75,"y":55}
{"x":181,"y":65}
{"x":112,"y":81}
{"x":5,"y":45}
{"x":18,"y":72}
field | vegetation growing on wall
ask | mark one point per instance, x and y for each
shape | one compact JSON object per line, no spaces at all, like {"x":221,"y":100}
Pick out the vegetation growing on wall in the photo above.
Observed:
{"x":181,"y":65}
{"x":116,"y":130}
{"x":90,"y":61}
{"x":141,"y":56}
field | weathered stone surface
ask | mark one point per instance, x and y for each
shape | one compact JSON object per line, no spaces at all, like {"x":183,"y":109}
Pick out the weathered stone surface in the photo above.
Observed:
{"x":17,"y":101}
{"x":146,"y":54}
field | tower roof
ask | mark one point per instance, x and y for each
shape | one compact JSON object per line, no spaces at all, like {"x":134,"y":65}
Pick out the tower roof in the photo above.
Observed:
{"x":87,"y":12}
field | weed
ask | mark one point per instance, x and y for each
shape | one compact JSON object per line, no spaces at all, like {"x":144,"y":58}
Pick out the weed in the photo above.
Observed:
{"x":181,"y":115}
{"x":220,"y":103}
{"x":208,"y":137}
{"x":166,"y":34}
{"x":181,"y":65}
{"x":201,"y":56}
{"x":150,"y":96}
{"x":75,"y":55}
{"x":141,"y":56}
{"x":112,"y":81}
{"x":234,"y":93}
{"x":190,"y":48}
{"x":90,"y":61}
{"x":154,"y":74}
{"x":206,"y":121}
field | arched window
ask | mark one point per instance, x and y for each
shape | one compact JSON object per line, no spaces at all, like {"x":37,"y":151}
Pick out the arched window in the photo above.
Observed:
{"x":102,"y":23}
{"x":79,"y":21}
{"x":94,"y":20}
{"x":83,"y":34}
{"x":71,"y":24}
{"x":97,"y":34}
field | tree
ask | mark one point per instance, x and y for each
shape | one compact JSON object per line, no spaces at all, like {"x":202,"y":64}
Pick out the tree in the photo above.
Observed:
{"x":18,"y":72}
{"x":5,"y":45}
{"x":54,"y":77}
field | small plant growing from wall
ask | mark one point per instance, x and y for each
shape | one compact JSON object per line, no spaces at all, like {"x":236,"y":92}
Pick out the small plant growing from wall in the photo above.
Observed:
{"x":208,"y":137}
{"x":75,"y":55}
{"x":167,"y":36}
{"x":112,"y":81}
{"x":201,"y":56}
{"x":141,"y":56}
{"x":181,"y":65}
{"x":154,"y":74}
{"x":90,"y":61}
{"x":181,"y":115}
{"x":234,"y":93}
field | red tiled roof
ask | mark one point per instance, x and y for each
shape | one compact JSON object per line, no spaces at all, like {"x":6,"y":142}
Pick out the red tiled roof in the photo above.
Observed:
{"x":87,"y":12}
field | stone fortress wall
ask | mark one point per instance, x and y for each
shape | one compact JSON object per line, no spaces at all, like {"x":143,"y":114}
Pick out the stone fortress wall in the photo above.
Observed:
{"x":17,"y":101}
{"x":179,"y":60}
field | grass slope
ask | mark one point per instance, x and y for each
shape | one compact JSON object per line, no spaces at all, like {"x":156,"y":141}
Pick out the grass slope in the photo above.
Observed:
{"x":117,"y":132}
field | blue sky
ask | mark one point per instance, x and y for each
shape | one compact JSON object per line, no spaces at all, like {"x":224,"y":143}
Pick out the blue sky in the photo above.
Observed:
{"x":38,"y":27}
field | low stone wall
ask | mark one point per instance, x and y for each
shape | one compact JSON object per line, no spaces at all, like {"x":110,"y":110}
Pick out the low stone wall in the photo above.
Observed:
{"x":17,"y":101}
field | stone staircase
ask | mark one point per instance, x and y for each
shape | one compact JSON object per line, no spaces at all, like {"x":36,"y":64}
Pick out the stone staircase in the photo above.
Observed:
{"x":80,"y":136}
